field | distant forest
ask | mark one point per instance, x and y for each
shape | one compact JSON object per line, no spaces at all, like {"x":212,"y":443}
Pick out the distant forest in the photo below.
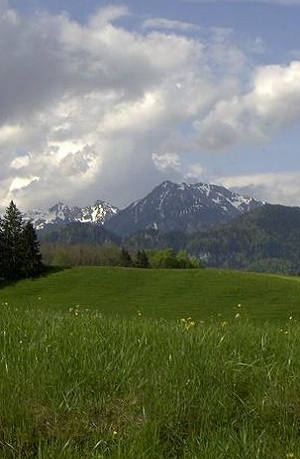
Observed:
{"x":109,"y":255}
{"x":265,"y":240}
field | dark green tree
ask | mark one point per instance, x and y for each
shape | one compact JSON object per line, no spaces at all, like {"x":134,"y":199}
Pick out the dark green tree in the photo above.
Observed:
{"x":19,"y":246}
{"x":32,"y":259}
{"x":141,"y":259}
{"x":2,"y":251}
{"x":12,"y":240}
{"x":125,"y":258}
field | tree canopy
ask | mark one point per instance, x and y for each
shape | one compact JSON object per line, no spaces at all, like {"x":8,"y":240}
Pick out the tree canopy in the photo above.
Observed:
{"x":20,"y":255}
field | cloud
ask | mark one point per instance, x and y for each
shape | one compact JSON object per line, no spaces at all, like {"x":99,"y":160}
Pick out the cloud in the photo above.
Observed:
{"x":167,"y":161}
{"x":167,"y":24}
{"x":21,"y":182}
{"x":96,"y":110}
{"x":274,"y":188}
{"x":194,"y":173}
{"x":272,"y":105}
{"x":108,"y":15}
{"x":83,"y":107}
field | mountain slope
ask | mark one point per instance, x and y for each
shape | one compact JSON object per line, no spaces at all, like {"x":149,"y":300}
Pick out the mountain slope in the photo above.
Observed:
{"x":154,"y":239}
{"x":78,"y":233}
{"x":267,"y":239}
{"x":181,"y":207}
{"x":62,"y":214}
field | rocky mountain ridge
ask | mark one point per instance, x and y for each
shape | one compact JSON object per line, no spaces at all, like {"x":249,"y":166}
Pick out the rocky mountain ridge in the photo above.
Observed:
{"x":168,"y":207}
{"x":62,"y":214}
{"x":181,"y":207}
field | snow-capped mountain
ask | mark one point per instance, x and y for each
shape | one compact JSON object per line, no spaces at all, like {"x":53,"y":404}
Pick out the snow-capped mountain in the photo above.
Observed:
{"x":181,"y":207}
{"x":169,"y":207}
{"x":62,"y":214}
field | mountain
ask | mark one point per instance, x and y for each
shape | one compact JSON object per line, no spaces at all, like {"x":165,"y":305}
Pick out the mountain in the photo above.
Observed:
{"x":78,"y":233}
{"x":218,"y":226}
{"x":264,"y":240}
{"x":182,"y":208}
{"x":152,"y":239}
{"x":267,"y":239}
{"x":61,"y":214}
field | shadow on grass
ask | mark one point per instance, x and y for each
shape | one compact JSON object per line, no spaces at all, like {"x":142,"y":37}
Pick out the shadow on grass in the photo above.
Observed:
{"x":47,"y":271}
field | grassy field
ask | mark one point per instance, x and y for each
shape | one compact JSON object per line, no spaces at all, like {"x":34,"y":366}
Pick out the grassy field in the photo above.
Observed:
{"x":167,"y":294}
{"x":131,"y":364}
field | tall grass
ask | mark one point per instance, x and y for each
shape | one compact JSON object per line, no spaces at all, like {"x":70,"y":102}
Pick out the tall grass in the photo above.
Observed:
{"x":77,"y":385}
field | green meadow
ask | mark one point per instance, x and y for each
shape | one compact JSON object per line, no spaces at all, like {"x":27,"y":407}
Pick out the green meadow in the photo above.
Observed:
{"x":150,"y":364}
{"x":161,"y":294}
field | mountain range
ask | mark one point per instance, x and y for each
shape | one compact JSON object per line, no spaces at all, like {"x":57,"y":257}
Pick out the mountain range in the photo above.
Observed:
{"x":61,"y":214}
{"x":169,"y":207}
{"x":181,"y":207}
{"x":212,"y":223}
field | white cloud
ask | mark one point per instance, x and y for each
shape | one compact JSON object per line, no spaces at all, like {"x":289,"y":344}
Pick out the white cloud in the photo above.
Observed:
{"x":19,"y":162}
{"x":108,"y":15}
{"x":89,"y":104}
{"x":194,"y":173}
{"x":20,"y":182}
{"x":167,"y":24}
{"x":276,"y":94}
{"x":97,"y":111}
{"x":275,"y":188}
{"x":10,"y":133}
{"x":167,"y":161}
{"x":272,"y":104}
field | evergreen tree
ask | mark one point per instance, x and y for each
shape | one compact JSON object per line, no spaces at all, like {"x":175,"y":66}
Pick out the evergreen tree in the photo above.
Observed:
{"x":19,"y":246}
{"x":2,"y":251}
{"x":141,"y":260}
{"x":126,"y":260}
{"x":32,"y":264}
{"x":12,"y":239}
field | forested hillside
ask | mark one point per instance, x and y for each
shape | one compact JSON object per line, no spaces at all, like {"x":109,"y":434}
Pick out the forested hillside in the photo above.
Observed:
{"x":267,"y":239}
{"x":78,"y":233}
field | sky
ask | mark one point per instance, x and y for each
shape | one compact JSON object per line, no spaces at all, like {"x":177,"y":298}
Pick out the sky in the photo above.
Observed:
{"x":105,"y":100}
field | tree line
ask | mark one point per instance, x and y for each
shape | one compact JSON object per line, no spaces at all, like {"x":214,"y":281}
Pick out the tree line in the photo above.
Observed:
{"x":20,"y":255}
{"x":111,"y":255}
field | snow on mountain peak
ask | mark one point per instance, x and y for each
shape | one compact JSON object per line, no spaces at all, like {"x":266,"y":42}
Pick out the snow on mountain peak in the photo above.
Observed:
{"x":171,"y":206}
{"x":61,"y":213}
{"x":181,"y":207}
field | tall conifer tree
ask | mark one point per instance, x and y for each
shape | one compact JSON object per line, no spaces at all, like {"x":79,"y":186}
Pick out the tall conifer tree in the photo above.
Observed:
{"x":141,"y":259}
{"x":2,"y":250}
{"x":12,"y":228}
{"x":126,"y":258}
{"x":19,"y":246}
{"x":32,"y":264}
